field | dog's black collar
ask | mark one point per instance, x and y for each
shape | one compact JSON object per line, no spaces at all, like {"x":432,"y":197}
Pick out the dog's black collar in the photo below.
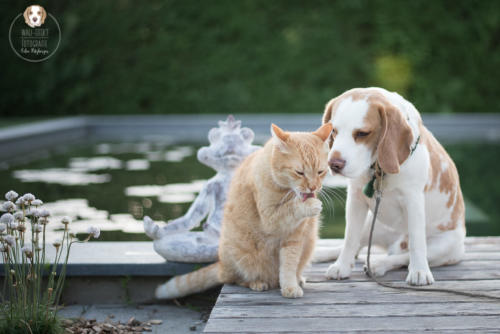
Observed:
{"x":368,"y":189}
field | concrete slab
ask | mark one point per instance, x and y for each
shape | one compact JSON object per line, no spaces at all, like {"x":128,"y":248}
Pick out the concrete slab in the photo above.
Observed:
{"x":175,"y":319}
{"x":119,"y":259}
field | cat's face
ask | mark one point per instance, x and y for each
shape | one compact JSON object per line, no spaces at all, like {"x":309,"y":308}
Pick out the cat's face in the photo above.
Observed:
{"x":300,"y":160}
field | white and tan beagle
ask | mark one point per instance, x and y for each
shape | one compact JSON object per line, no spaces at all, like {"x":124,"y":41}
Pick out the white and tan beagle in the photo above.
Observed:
{"x":421,"y":218}
{"x":34,"y":16}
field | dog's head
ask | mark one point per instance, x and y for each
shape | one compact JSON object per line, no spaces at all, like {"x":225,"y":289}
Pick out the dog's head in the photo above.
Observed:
{"x":34,"y":16}
{"x":366,"y":128}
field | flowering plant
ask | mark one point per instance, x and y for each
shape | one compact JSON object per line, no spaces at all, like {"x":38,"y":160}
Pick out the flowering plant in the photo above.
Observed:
{"x":29,"y":302}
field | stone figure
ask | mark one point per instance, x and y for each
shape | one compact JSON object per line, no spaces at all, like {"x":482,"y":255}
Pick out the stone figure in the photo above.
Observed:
{"x":229,"y":145}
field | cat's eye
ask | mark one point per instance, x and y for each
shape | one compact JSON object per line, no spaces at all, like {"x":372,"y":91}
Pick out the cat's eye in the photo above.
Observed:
{"x":361,"y":134}
{"x":320,"y":172}
{"x":300,"y":173}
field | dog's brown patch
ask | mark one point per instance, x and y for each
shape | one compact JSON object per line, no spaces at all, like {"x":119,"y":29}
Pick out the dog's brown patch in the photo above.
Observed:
{"x":445,"y":179}
{"x":396,"y":136}
{"x":371,"y":124}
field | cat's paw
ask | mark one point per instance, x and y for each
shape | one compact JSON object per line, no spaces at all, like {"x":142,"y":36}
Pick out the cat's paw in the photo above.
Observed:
{"x":292,"y":291}
{"x":419,"y":277}
{"x":301,"y":280}
{"x":258,"y":286}
{"x":313,"y":207}
{"x":338,"y":271}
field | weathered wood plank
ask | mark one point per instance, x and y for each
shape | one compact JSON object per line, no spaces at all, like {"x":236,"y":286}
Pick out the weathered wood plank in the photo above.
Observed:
{"x":359,"y":305}
{"x":357,"y":310}
{"x":483,"y":256}
{"x":409,"y":330}
{"x":474,"y":285}
{"x":274,"y":297}
{"x":400,"y":275}
{"x":469,"y":256}
{"x":469,"y":242}
{"x":303,"y":325}
{"x":442,"y":331}
{"x":464,"y":265}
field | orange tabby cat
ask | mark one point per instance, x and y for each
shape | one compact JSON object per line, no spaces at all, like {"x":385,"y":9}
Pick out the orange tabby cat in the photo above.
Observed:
{"x":270,"y":222}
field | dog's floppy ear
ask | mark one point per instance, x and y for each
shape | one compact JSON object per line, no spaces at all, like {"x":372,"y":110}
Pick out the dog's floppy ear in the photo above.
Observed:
{"x":44,"y":15}
{"x":25,"y":14}
{"x":395,"y":139}
{"x":327,"y":115}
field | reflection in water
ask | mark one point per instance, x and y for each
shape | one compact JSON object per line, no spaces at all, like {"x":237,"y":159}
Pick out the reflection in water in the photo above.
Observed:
{"x":138,"y":164}
{"x":170,"y":193}
{"x":121,"y":148}
{"x":80,"y":170}
{"x":83,"y":215}
{"x":76,"y":174}
{"x":178,"y":154}
{"x":62,"y":176}
{"x":157,"y":151}
{"x":93,"y":164}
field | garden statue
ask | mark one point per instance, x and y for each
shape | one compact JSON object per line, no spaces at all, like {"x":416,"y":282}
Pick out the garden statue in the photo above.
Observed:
{"x":229,"y":145}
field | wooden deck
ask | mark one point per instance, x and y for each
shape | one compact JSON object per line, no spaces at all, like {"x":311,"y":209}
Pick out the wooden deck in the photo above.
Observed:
{"x":360,"y":305}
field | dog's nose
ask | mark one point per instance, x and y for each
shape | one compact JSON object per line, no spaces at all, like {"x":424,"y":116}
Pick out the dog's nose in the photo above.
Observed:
{"x":34,"y":19}
{"x":337,"y":164}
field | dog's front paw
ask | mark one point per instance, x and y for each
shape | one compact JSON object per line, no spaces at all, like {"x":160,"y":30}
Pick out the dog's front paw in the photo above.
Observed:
{"x":419,"y":277}
{"x":338,"y":271}
{"x":293,"y":291}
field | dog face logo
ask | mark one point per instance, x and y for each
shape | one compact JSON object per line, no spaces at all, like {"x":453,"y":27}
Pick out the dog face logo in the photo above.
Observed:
{"x":34,"y":16}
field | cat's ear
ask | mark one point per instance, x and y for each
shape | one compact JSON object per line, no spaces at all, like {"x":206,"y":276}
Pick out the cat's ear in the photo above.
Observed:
{"x":324,"y":131}
{"x":279,"y":138}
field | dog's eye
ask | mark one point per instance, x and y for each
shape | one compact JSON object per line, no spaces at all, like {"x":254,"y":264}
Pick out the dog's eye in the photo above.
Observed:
{"x":31,"y":12}
{"x":300,"y":173}
{"x":38,"y":13}
{"x":361,"y":134}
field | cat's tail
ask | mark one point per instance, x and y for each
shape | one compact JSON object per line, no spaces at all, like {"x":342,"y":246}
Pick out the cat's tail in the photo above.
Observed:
{"x":197,"y":281}
{"x":325,"y":254}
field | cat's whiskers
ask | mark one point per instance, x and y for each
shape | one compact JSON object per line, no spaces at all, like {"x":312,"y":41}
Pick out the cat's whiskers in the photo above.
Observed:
{"x":327,"y":200}
{"x":337,"y":195}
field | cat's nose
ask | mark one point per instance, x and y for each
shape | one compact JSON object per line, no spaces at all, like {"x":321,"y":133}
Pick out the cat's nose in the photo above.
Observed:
{"x":336,"y":164}
{"x":312,"y":188}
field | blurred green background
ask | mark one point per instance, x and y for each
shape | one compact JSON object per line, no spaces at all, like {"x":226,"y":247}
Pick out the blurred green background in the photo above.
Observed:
{"x":135,"y":57}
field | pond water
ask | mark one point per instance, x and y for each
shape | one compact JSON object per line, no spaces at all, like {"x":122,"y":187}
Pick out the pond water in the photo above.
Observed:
{"x":113,"y":185}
